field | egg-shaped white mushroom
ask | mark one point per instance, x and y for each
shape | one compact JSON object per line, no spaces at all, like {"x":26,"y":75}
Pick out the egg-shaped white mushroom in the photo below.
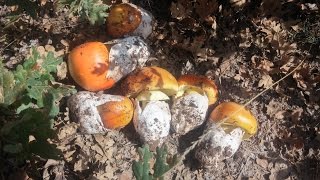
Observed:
{"x":188,"y":112}
{"x":152,"y":122}
{"x":218,"y":145}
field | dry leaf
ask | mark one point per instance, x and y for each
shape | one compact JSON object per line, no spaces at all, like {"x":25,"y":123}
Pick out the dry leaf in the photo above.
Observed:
{"x":204,"y":8}
{"x":54,"y":170}
{"x":266,"y":65}
{"x":238,"y":3}
{"x":266,"y":81}
{"x":270,"y":6}
{"x":262,"y":162}
{"x":177,"y":11}
{"x":79,"y":165}
{"x":62,"y":71}
{"x":296,"y":114}
{"x":274,"y":109}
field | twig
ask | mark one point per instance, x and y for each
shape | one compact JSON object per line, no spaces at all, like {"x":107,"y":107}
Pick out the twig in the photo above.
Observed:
{"x":242,"y":167}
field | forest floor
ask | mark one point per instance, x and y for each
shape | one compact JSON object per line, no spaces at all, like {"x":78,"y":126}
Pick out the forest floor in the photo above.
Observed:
{"x":244,"y":47}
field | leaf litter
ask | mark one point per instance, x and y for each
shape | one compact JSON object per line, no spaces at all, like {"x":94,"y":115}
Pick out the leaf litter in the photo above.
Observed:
{"x":244,"y":54}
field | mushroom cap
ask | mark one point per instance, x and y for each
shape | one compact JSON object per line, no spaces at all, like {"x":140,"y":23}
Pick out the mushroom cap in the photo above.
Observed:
{"x":123,"y":19}
{"x":98,"y":113}
{"x":238,"y":117}
{"x":207,"y":85}
{"x":88,"y":65}
{"x":149,"y":79}
{"x":116,"y":114}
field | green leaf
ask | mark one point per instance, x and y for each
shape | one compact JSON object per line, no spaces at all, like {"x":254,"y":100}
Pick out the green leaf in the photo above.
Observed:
{"x":141,"y":169}
{"x":96,"y":13}
{"x":44,"y":149}
{"x":30,"y":91}
{"x":54,"y":95}
{"x":23,"y":107}
{"x":50,"y":63}
{"x":30,"y":62}
{"x":92,"y":10}
{"x":13,"y":148}
{"x":161,"y":166}
{"x":8,"y":92}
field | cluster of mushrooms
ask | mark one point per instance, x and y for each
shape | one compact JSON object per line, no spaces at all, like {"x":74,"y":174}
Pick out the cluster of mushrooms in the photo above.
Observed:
{"x":151,"y":97}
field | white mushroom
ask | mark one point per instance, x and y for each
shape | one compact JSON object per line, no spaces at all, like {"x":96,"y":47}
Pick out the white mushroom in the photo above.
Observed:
{"x":126,"y":55}
{"x":146,"y":25}
{"x":218,"y":145}
{"x":188,"y":112}
{"x":152,"y":121}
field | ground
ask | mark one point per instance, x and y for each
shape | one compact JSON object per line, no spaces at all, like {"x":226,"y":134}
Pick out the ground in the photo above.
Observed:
{"x":243,"y":46}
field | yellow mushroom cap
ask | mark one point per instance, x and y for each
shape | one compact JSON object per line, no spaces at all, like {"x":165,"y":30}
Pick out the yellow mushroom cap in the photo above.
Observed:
{"x":207,"y":85}
{"x":149,"y":79}
{"x":238,"y":117}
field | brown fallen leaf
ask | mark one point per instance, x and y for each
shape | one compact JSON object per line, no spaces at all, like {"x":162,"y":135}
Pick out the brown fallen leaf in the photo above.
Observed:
{"x":204,"y":8}
{"x":262,"y":162}
{"x":62,"y":71}
{"x":266,"y":81}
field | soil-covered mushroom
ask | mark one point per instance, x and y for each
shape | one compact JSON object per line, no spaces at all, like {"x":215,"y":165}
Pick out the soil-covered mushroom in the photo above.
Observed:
{"x":229,"y":124}
{"x":191,"y":103}
{"x":96,"y":66}
{"x":129,"y":19}
{"x":98,"y":113}
{"x":188,"y":112}
{"x":151,"y":88}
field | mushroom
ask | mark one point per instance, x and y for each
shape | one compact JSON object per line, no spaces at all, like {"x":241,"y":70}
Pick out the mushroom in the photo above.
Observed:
{"x":151,"y":88}
{"x":98,"y":113}
{"x":129,"y":19}
{"x":96,"y":66}
{"x":207,"y":85}
{"x":229,"y":124}
{"x":191,"y":103}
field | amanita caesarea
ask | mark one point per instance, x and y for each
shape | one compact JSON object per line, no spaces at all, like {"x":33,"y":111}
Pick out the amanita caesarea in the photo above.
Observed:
{"x":229,"y":124}
{"x":99,"y":113}
{"x":127,"y":19}
{"x":97,"y":66}
{"x":151,"y":88}
{"x":191,"y":103}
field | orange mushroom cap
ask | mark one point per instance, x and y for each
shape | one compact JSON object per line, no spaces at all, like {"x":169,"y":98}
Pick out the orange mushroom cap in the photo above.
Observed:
{"x":123,"y":19}
{"x":207,"y":85}
{"x":237,"y":117}
{"x":88,"y":66}
{"x":116,"y":114}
